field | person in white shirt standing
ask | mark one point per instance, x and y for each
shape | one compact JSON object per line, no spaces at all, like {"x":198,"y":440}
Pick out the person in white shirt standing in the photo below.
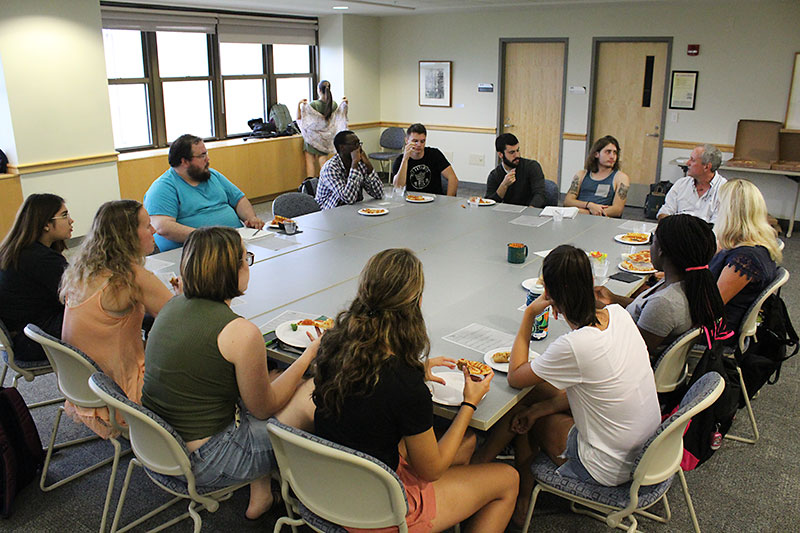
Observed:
{"x":697,"y":194}
{"x":594,"y":395}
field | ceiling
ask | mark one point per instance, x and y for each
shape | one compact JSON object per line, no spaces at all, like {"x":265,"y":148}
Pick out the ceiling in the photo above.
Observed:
{"x":379,"y":8}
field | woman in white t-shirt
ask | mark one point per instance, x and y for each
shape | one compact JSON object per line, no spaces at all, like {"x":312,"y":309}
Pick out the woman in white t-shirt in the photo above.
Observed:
{"x":595,"y":395}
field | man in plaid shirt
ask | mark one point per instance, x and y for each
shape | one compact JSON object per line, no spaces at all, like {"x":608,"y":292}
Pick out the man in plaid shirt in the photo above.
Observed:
{"x":348,"y":172}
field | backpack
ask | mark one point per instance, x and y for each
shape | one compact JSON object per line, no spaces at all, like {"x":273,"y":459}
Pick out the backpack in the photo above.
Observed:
{"x":655,"y":198}
{"x":703,"y":435}
{"x":279,"y":114}
{"x":21,"y":453}
{"x":761,"y":362}
{"x":3,"y":163}
{"x":309,"y":186}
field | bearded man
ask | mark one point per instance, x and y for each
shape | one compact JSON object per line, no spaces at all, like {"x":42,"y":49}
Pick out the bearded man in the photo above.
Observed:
{"x":190,"y":195}
{"x":516,"y":180}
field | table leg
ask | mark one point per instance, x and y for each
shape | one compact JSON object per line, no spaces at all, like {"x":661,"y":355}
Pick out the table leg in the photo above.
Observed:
{"x":794,"y":210}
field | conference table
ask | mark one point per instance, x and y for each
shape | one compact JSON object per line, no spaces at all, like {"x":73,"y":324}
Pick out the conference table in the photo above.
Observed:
{"x":472,"y":295}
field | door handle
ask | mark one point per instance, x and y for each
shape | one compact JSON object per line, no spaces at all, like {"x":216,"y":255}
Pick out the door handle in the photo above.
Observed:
{"x":508,"y":125}
{"x":652,"y":134}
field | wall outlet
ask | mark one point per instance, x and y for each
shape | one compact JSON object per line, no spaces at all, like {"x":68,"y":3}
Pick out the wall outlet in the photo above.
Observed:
{"x":673,"y":116}
{"x":476,"y":159}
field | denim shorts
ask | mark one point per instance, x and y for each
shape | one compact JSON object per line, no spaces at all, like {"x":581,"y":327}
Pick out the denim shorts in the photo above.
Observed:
{"x":235,"y":455}
{"x":573,"y":467}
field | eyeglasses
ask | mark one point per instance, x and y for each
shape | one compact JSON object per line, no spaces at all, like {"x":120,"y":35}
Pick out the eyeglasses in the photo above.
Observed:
{"x":65,"y":215}
{"x":200,"y":156}
{"x":250,"y":258}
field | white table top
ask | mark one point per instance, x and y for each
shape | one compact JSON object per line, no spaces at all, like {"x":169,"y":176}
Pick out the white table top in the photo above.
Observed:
{"x":467,"y":277}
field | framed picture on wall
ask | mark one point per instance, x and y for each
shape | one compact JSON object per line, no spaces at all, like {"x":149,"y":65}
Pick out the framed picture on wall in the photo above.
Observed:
{"x":792,"y":120}
{"x":435,"y":83}
{"x":683,"y":89}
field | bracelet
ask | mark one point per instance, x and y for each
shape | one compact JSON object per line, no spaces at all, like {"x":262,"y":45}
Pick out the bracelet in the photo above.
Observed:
{"x":586,"y":206}
{"x":474,"y":407}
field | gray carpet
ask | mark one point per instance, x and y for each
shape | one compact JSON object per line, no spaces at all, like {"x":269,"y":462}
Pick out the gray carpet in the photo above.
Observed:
{"x":742,"y":488}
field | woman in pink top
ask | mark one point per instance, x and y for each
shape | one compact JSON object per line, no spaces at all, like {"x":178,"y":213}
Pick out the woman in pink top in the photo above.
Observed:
{"x":107,"y":291}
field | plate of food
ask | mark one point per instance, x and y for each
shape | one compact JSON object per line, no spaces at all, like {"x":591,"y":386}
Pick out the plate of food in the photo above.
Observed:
{"x":498,"y":358}
{"x":277,"y":220}
{"x":372,"y":211}
{"x":633,"y":238}
{"x":419,"y":198}
{"x":535,"y":285}
{"x":452,"y":392}
{"x":637,"y":263}
{"x":294,"y":333}
{"x":479,"y":201}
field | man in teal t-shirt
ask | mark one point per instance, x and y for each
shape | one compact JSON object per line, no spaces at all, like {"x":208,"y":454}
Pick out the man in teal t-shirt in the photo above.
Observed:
{"x":190,"y":195}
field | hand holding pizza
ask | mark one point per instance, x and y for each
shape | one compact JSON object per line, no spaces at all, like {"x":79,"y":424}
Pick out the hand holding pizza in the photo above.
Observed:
{"x":437,"y":361}
{"x":475,"y":390}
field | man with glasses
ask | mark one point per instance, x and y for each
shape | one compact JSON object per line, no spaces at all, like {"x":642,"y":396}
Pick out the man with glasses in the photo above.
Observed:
{"x":190,"y":195}
{"x":345,"y":175}
{"x":516,"y":180}
{"x":421,"y":168}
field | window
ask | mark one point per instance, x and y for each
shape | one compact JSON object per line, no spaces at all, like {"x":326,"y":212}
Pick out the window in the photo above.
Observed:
{"x":164,"y":83}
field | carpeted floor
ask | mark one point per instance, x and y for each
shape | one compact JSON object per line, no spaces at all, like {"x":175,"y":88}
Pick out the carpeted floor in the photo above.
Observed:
{"x":742,"y":488}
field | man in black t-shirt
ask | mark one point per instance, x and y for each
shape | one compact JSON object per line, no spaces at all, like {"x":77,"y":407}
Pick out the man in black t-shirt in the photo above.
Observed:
{"x":515,"y":180}
{"x":420,"y":168}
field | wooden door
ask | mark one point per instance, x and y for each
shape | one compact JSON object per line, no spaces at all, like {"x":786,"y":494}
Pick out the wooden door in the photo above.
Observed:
{"x":532,"y":100}
{"x":630,"y":79}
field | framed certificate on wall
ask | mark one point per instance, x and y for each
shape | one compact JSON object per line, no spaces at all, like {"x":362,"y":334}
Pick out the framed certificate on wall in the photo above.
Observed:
{"x":683,"y":89}
{"x":435,"y":83}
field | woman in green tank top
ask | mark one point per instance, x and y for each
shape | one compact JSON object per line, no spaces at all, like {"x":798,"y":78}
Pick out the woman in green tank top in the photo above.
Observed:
{"x":203,"y":361}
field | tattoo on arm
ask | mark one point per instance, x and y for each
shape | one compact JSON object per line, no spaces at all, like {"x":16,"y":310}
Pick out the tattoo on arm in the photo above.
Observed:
{"x":622,"y":192}
{"x":575,"y":187}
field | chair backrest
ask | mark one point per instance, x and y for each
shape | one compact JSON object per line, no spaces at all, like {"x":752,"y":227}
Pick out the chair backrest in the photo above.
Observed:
{"x":338,"y":484}
{"x":154,"y":443}
{"x":72,"y":368}
{"x":661,"y":455}
{"x":393,"y":138}
{"x":294,"y":204}
{"x":6,"y":346}
{"x":671,"y":368}
{"x":750,"y":320}
{"x":551,"y":192}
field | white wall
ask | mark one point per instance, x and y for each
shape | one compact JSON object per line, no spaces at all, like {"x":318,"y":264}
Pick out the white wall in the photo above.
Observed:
{"x":57,"y":96}
{"x":746,"y":55}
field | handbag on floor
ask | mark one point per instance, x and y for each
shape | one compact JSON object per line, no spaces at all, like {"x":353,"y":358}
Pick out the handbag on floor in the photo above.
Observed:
{"x":21,"y":453}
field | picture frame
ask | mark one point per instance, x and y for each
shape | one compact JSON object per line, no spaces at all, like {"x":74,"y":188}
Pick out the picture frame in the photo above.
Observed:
{"x":792,"y":119}
{"x":683,"y":89}
{"x":435,"y":83}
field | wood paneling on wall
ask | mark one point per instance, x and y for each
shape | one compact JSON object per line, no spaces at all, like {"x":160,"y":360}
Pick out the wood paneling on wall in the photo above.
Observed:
{"x":259,"y":167}
{"x":10,"y":200}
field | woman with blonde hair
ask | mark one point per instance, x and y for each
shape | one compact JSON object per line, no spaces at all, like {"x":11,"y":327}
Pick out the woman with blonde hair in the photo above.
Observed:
{"x":31,"y":265}
{"x":371,"y":396}
{"x":206,"y":371}
{"x":107,"y":292}
{"x":746,"y":261}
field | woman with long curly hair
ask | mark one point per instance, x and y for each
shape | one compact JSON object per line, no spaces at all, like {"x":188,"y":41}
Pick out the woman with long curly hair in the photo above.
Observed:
{"x":31,"y":265}
{"x":371,"y":395}
{"x":107,"y":292}
{"x":748,"y":249}
{"x":687,"y":296}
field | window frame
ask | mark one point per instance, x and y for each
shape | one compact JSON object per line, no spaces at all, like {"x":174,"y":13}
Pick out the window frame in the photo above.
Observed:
{"x":154,"y":83}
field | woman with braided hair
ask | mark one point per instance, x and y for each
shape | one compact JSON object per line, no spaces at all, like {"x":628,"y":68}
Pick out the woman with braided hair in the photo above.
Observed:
{"x":371,"y":396}
{"x":687,"y":296}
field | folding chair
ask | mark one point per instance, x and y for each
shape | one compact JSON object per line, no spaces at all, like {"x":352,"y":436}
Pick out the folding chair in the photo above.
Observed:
{"x":28,"y":370}
{"x":672,"y":366}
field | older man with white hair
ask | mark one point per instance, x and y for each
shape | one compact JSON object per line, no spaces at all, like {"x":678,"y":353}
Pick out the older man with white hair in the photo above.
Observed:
{"x":698,"y":193}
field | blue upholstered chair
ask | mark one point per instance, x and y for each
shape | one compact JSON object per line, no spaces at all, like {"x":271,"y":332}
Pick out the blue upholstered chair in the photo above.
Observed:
{"x":393,"y":140}
{"x":551,"y":192}
{"x":163,"y":455}
{"x":294,"y":204}
{"x":333,"y":486}
{"x":653,"y":472}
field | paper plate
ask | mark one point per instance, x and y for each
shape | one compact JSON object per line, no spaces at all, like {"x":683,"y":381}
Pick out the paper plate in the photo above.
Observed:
{"x":619,"y":238}
{"x":374,"y":211}
{"x":644,"y":272}
{"x":425,"y":199}
{"x":503,"y":367}
{"x":532,"y":284}
{"x":486,"y":202}
{"x":298,"y":338}
{"x":452,"y":393}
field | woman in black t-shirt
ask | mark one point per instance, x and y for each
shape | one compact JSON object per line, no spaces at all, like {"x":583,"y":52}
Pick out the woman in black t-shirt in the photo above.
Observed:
{"x":749,"y":252}
{"x":31,"y":265}
{"x":370,"y":395}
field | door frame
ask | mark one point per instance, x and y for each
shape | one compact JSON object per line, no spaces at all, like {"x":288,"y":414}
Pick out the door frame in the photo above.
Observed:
{"x":500,"y":88}
{"x":596,"y":41}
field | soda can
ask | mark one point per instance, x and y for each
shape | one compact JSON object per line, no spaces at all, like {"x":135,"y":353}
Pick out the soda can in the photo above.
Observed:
{"x":540,"y":324}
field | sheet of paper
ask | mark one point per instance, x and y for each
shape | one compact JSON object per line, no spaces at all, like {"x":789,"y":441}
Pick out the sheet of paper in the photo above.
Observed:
{"x":248,"y":234}
{"x":527,"y":220}
{"x":638,"y":226}
{"x":509,"y":208}
{"x":567,"y":212}
{"x":273,"y":242}
{"x":154,"y":265}
{"x":543,"y":253}
{"x":479,"y":338}
{"x":286,"y":316}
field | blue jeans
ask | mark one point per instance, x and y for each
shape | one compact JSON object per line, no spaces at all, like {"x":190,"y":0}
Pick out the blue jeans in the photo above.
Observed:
{"x":573,"y":467}
{"x":235,"y":455}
